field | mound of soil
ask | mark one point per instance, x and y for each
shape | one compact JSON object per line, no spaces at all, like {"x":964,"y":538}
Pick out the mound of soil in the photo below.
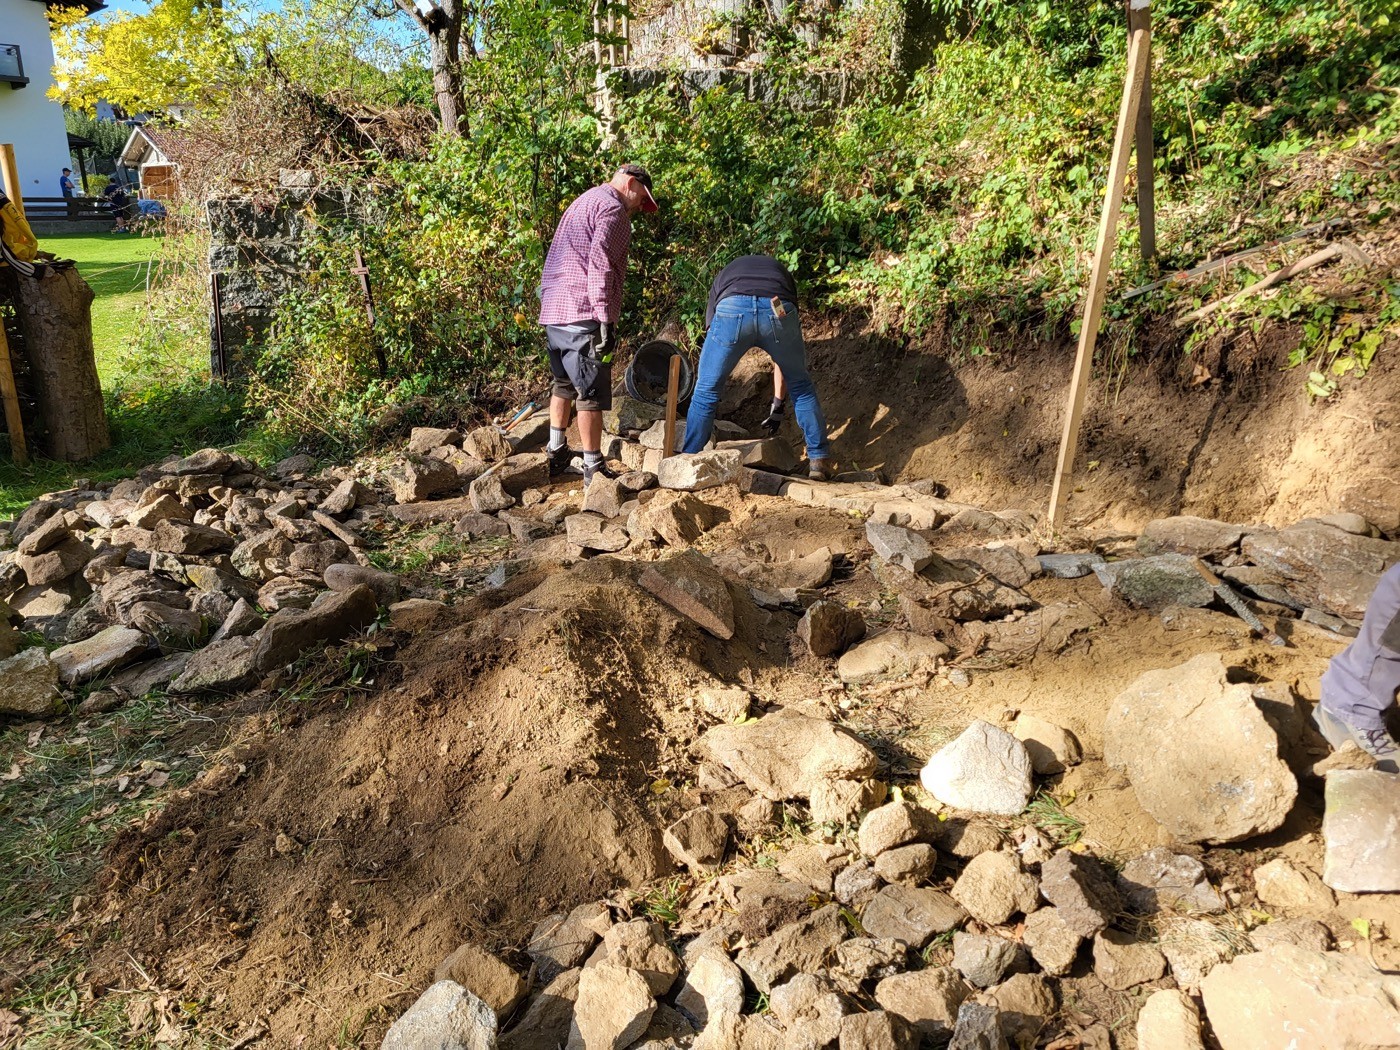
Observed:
{"x":505,"y":775}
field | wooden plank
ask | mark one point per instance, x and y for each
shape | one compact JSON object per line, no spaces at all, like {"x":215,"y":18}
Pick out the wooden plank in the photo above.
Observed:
{"x":673,"y":389}
{"x":1138,"y":47}
{"x":1140,"y":17}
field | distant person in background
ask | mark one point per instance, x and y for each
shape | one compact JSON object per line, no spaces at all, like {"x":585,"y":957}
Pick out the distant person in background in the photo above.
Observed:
{"x":65,"y":183}
{"x":119,"y":201}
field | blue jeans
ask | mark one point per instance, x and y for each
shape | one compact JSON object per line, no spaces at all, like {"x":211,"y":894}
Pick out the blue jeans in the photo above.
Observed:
{"x":742,"y":322}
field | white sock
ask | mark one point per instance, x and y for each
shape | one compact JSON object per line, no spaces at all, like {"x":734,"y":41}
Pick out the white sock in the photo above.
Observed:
{"x":557,"y":438}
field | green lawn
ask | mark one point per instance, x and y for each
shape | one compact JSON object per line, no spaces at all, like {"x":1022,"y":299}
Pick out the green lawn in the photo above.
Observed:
{"x":115,"y":265}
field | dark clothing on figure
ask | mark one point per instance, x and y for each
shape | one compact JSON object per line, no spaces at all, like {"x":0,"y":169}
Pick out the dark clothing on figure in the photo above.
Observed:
{"x":756,"y":275}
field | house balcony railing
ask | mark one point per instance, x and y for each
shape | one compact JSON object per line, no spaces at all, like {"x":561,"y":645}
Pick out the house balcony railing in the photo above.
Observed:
{"x":12,"y":66}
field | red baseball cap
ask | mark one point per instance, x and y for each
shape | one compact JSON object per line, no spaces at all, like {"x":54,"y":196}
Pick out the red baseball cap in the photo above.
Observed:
{"x":643,"y":176}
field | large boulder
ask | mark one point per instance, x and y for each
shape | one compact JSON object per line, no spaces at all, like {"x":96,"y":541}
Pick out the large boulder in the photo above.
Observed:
{"x":890,"y":654}
{"x":1291,"y":997}
{"x":1184,"y":534}
{"x":1359,"y":828}
{"x":788,"y":755}
{"x":223,"y":666}
{"x":105,"y":651}
{"x":703,"y":470}
{"x":691,"y":585}
{"x":29,"y":684}
{"x":1202,"y":759}
{"x":334,"y":616}
{"x":1325,"y":567}
{"x":413,"y":479}
{"x":799,"y":947}
{"x":1156,"y":582}
{"x":830,"y":627}
{"x":445,"y":1017}
{"x":985,"y":770}
{"x":899,"y":546}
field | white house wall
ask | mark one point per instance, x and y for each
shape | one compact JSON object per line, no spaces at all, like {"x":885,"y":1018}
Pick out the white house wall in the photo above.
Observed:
{"x":29,"y":119}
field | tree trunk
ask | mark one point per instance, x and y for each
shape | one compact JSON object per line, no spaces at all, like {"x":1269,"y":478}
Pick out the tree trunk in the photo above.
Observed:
{"x":55,"y":320}
{"x":443,"y":42}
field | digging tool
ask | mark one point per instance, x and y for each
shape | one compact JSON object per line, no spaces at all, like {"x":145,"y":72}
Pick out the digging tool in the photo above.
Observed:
{"x":672,"y":396}
{"x":1236,"y":603}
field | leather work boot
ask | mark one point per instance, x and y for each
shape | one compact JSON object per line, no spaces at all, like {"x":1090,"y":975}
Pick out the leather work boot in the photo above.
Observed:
{"x":821,"y":469}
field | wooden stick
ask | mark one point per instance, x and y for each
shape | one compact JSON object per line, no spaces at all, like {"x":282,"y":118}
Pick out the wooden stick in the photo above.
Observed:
{"x":1103,"y":258}
{"x":1317,"y":258}
{"x":10,"y":173}
{"x":14,"y":422}
{"x":1316,"y":229}
{"x":673,"y":389}
{"x":1140,"y":17}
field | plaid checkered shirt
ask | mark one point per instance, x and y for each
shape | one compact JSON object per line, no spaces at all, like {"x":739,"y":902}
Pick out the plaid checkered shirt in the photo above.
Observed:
{"x":587,"y":260}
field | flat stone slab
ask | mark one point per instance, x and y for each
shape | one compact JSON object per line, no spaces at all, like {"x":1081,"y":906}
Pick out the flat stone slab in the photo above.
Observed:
{"x":691,"y":585}
{"x":105,"y":651}
{"x":1361,"y":829}
{"x":1288,"y":996}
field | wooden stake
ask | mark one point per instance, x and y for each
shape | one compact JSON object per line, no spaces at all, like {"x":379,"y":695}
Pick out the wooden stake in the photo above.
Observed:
{"x":1140,"y":18}
{"x":19,"y":449}
{"x":14,"y":422}
{"x":1103,"y":258}
{"x":673,"y":389}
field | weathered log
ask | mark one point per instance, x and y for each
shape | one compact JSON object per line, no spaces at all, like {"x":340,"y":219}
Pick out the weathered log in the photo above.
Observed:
{"x":55,"y":320}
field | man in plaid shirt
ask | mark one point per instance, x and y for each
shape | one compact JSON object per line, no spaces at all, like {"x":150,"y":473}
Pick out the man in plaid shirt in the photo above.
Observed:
{"x":580,"y":303}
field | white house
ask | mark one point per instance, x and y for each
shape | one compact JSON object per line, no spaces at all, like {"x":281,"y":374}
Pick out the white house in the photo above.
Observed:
{"x":30,"y":120}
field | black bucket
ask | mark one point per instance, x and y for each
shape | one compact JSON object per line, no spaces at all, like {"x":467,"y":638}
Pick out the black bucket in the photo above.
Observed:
{"x":649,"y":373}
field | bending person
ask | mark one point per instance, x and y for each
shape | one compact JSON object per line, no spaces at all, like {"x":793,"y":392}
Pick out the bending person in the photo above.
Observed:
{"x":1359,"y":685}
{"x":753,"y":302}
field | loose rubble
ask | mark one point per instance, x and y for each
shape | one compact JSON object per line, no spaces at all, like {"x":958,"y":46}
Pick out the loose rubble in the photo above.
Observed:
{"x":911,"y":910}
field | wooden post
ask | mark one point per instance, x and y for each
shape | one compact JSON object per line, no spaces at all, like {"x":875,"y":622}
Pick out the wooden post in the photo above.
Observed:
{"x":10,"y":172}
{"x":1103,"y":259}
{"x":673,"y":389}
{"x":1140,"y":18}
{"x":14,"y":422}
{"x":361,"y":271}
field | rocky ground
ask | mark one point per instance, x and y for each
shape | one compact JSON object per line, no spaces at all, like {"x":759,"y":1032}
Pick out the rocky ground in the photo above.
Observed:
{"x":709,"y":756}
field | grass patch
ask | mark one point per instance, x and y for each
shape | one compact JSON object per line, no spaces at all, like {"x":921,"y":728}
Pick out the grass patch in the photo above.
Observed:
{"x":66,"y":789}
{"x":116,"y":265}
{"x":147,"y":425}
{"x":1048,"y":813}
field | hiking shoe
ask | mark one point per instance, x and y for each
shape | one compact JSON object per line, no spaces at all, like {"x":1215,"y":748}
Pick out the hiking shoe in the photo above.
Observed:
{"x":821,"y":469}
{"x":1377,"y":743}
{"x":600,"y":470}
{"x":559,"y":460}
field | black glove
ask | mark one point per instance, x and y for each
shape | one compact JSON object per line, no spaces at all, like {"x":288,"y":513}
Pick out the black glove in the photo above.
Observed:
{"x":774,"y":422}
{"x":605,"y":342}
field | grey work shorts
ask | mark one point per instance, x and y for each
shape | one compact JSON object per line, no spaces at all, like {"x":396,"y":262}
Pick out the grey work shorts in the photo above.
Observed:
{"x":579,"y":376}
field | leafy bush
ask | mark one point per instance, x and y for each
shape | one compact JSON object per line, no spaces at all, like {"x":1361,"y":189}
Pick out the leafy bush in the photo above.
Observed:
{"x":969,"y":197}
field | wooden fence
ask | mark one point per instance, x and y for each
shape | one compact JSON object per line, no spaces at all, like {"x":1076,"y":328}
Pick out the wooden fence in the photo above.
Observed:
{"x":71,"y":209}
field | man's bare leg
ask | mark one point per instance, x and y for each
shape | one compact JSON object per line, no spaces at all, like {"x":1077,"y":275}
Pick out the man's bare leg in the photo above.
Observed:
{"x":590,"y":430}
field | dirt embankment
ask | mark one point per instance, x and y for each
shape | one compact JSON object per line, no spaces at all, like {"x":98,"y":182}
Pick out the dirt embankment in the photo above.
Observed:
{"x":1245,"y":445}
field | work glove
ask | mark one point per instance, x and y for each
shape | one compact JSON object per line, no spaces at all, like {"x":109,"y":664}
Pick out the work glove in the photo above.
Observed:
{"x":774,"y":421}
{"x":605,"y":342}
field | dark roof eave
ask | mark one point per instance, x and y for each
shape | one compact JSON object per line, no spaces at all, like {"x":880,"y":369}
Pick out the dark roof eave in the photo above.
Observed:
{"x":90,"y":6}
